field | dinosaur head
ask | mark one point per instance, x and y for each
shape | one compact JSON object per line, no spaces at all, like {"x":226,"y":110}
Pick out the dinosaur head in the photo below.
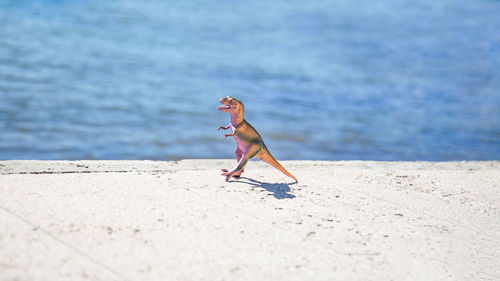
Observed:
{"x":231,"y":105}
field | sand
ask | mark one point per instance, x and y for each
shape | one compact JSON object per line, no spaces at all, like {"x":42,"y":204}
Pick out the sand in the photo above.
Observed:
{"x":347,"y":220}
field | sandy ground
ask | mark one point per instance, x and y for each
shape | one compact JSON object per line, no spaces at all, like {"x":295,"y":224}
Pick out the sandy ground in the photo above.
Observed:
{"x":147,"y":220}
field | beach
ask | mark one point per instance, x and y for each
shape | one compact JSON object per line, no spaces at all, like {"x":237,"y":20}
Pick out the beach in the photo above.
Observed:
{"x":180,"y":220}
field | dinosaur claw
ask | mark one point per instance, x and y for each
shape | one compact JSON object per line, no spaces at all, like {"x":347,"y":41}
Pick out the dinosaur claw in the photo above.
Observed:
{"x":227,"y":174}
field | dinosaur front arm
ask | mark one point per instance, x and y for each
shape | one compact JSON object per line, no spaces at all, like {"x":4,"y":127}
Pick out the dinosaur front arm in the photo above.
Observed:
{"x":224,"y":128}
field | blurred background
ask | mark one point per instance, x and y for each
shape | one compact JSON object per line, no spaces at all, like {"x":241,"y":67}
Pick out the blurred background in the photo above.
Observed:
{"x":339,"y":79}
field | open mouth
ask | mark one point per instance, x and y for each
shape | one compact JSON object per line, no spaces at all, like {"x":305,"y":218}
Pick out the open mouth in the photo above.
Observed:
{"x":224,"y":106}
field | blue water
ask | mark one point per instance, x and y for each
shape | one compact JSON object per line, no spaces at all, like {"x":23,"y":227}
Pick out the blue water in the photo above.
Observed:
{"x":340,"y":79}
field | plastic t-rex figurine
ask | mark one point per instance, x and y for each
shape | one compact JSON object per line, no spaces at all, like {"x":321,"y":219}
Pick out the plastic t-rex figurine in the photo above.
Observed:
{"x":249,"y":143}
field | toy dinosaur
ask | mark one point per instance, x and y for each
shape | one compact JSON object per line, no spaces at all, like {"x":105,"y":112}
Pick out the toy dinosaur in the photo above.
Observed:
{"x":249,"y":143}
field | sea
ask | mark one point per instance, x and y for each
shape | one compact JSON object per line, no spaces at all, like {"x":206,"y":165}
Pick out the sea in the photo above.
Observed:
{"x":384,"y":80}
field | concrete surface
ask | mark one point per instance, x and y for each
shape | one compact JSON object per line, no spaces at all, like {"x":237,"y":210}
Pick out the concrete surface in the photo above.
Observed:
{"x":146,"y":220}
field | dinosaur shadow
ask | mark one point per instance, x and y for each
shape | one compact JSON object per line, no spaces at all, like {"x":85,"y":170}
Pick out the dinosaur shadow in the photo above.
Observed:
{"x":278,"y":190}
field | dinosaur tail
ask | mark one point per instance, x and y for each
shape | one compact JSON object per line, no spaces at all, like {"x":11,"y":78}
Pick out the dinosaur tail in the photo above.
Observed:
{"x":266,"y":156}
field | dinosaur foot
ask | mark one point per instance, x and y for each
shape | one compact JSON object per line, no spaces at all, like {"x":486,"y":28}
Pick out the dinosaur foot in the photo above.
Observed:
{"x":227,"y":174}
{"x":237,"y":174}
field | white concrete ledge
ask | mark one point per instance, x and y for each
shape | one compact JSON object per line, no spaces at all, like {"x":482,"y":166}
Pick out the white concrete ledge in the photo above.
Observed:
{"x":344,"y":220}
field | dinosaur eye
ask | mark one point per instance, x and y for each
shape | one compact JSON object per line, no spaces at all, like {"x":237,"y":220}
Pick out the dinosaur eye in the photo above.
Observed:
{"x":230,"y":101}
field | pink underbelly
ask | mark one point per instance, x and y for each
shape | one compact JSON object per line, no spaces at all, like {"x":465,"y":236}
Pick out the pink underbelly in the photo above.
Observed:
{"x":241,"y":145}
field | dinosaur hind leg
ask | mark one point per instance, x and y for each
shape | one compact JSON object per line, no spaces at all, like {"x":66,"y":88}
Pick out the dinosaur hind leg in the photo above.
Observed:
{"x":238,"y":153}
{"x":250,"y":151}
